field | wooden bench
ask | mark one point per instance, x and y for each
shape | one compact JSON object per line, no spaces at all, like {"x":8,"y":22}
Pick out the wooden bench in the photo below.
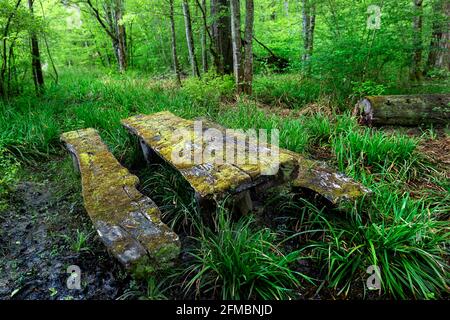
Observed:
{"x":209,"y":179}
{"x":334,"y":186}
{"x":127,"y":222}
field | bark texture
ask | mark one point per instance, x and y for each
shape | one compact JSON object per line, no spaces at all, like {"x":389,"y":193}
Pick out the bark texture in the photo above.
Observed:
{"x":439,"y":55}
{"x":416,"y":67}
{"x":221,"y":35}
{"x":404,"y":110}
{"x":190,"y":39}
{"x":248,"y":47}
{"x":36,"y":66}
{"x":235,"y":8}
{"x":308,"y":27}
{"x":176,"y":63}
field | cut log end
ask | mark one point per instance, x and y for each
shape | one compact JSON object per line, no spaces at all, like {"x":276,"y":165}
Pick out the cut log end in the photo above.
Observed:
{"x":364,"y":112}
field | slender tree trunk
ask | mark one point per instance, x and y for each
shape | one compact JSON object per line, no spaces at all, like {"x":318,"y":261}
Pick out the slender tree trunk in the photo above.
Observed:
{"x":438,"y":56}
{"x":36,"y":66}
{"x":121,"y":36}
{"x":114,"y":29}
{"x":248,"y":47}
{"x":190,"y":39}
{"x":308,"y":27}
{"x":221,"y":34}
{"x":237,"y":43}
{"x":416,"y":70}
{"x":203,"y":38}
{"x":176,"y":64}
{"x":5,"y":66}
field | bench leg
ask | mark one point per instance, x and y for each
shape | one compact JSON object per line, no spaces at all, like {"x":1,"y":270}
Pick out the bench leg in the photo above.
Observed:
{"x":147,"y":151}
{"x":244,"y":203}
{"x":76,"y":165}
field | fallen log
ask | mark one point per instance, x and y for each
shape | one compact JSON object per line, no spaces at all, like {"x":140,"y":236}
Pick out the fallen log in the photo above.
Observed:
{"x":404,"y":110}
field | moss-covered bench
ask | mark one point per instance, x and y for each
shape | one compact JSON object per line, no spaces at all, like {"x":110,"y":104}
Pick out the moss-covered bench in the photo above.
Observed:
{"x":334,"y":186}
{"x":127,"y":222}
{"x":209,"y":178}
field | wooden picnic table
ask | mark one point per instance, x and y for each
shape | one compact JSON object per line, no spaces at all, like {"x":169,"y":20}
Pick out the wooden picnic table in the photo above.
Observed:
{"x":160,"y":133}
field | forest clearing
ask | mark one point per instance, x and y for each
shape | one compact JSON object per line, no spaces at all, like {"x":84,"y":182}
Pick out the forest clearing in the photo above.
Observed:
{"x":92,"y":94}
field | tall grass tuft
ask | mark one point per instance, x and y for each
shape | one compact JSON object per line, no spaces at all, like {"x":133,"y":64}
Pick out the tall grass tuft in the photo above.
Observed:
{"x":238,"y":261}
{"x":401,"y":236}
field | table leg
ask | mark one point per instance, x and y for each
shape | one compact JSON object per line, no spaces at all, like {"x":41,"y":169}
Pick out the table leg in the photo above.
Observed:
{"x":243,"y":202}
{"x":147,"y":151}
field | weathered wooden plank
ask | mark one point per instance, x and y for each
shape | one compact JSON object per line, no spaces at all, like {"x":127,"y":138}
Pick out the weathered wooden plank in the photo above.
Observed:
{"x":127,"y":222}
{"x":334,"y":186}
{"x":211,"y":177}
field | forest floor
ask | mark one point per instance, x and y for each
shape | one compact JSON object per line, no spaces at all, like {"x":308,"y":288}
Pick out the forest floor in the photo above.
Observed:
{"x":43,"y":231}
{"x":45,"y":228}
{"x":40,"y":242}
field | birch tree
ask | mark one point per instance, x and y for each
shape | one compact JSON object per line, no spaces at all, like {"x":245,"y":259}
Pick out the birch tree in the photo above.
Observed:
{"x":308,"y":27}
{"x":190,"y":39}
{"x":111,"y":22}
{"x":176,"y":64}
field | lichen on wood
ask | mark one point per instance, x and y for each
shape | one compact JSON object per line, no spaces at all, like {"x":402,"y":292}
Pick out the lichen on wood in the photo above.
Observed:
{"x":127,"y":222}
{"x":215,"y":176}
{"x":334,"y":186}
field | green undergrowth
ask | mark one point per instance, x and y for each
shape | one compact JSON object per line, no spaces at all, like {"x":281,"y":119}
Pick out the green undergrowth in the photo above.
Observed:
{"x":402,"y":230}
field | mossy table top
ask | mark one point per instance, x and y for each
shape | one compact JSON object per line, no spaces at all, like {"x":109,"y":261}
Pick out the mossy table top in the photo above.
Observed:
{"x":209,"y":177}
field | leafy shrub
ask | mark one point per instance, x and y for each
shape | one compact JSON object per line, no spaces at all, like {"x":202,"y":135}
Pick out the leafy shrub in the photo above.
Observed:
{"x":209,"y":88}
{"x":367,"y":88}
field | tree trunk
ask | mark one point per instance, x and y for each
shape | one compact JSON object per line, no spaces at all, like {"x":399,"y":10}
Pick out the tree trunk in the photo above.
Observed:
{"x":114,"y":29}
{"x":203,"y":38}
{"x":121,"y":36}
{"x":176,"y":64}
{"x":308,"y":27}
{"x":190,"y":39}
{"x":416,"y":70}
{"x":36,"y":65}
{"x":404,"y":110}
{"x":237,"y":43}
{"x":438,"y":56}
{"x":248,"y":47}
{"x":5,"y":65}
{"x":221,"y":34}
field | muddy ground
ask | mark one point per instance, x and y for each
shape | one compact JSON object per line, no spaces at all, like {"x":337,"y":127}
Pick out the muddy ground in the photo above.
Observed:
{"x":38,"y":233}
